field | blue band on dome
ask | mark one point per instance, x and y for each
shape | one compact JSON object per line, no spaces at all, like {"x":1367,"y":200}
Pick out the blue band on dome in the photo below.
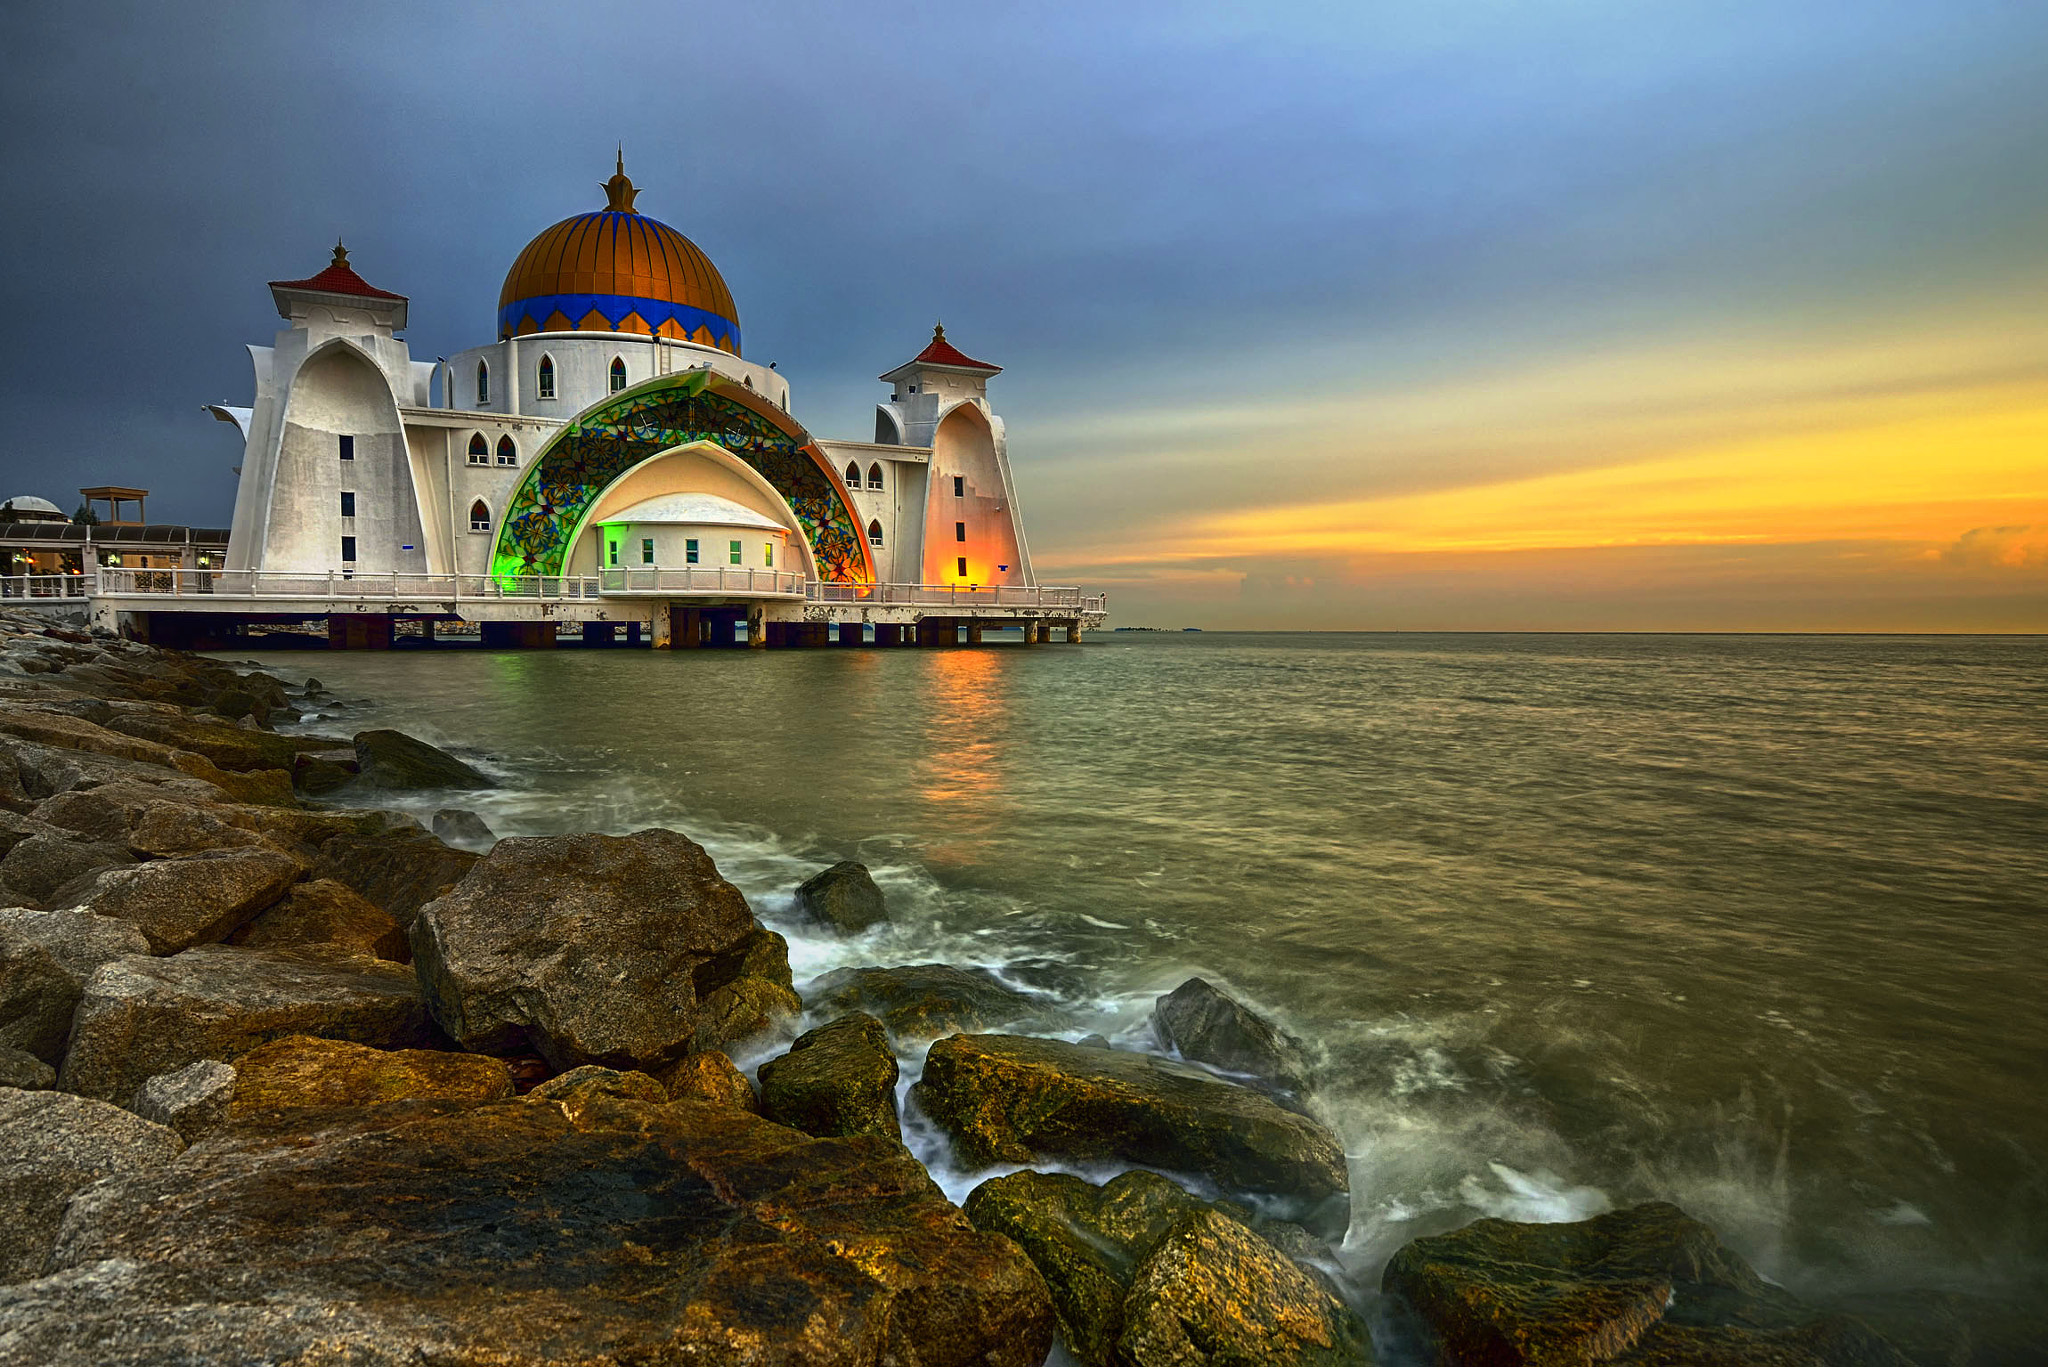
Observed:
{"x":614,"y":307}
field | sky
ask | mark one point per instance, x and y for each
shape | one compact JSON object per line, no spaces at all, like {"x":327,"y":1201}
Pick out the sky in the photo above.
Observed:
{"x":1436,"y":315}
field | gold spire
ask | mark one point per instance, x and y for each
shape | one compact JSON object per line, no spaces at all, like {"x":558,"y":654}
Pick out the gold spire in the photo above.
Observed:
{"x":939,"y":332}
{"x":619,"y":191}
{"x":340,"y":254}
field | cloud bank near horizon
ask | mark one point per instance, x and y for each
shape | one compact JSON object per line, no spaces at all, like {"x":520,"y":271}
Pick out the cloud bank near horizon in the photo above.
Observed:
{"x":1566,"y":315}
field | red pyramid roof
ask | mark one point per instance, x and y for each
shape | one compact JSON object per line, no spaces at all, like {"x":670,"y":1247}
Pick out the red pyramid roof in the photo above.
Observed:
{"x":939,"y":351}
{"x":338,"y":278}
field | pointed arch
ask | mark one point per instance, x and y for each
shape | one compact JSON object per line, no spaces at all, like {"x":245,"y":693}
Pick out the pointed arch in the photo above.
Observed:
{"x":479,"y":449}
{"x":875,"y":532}
{"x":853,"y":474}
{"x":479,"y":516}
{"x":545,"y":377}
{"x":618,"y":374}
{"x":483,"y":383}
{"x":508,"y":453}
{"x":875,"y":475}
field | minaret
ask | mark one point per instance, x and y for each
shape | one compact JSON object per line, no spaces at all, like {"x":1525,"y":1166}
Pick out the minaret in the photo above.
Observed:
{"x":922,"y":388}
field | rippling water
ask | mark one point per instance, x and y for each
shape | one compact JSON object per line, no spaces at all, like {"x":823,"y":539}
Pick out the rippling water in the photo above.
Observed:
{"x":1758,"y":925}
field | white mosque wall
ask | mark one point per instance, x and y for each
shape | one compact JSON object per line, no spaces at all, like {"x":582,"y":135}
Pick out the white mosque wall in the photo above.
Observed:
{"x":977,"y":523}
{"x":583,"y":362}
{"x":898,"y":506}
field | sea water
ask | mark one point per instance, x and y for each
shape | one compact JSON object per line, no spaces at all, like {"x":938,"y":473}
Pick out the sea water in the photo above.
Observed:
{"x":1758,"y":925}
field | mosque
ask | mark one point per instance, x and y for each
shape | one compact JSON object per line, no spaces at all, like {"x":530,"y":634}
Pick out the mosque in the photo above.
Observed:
{"x":612,"y":460}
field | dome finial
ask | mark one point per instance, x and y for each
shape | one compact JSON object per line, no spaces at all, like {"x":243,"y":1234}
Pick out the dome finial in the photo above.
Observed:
{"x":619,"y":191}
{"x":340,"y":254}
{"x":939,"y":332}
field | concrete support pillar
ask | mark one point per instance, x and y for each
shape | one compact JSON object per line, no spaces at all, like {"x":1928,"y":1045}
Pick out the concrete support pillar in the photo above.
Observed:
{"x":888,"y":634}
{"x":686,"y":627}
{"x":427,"y":630}
{"x":1073,"y":633}
{"x":359,"y":631}
{"x":853,"y":634}
{"x":1034,"y":632}
{"x":974,"y":633}
{"x":664,"y":630}
{"x":632,"y":633}
{"x":757,"y":627}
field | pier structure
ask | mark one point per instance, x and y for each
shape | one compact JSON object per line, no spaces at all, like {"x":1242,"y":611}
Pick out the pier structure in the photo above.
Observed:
{"x":610,"y":467}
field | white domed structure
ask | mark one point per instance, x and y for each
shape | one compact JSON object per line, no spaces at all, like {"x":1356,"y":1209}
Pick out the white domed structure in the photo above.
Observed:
{"x":29,"y":508}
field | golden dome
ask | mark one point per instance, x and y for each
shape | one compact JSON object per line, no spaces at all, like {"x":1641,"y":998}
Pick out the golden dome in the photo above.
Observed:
{"x":615,"y":270}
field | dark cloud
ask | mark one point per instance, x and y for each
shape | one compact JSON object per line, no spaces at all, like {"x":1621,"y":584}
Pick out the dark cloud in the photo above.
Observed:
{"x":1137,"y":204}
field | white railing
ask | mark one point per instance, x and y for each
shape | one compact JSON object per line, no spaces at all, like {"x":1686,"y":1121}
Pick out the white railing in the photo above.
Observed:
{"x":967,"y":598}
{"x":341,"y":585}
{"x":654,"y":580}
{"x":44,"y":586}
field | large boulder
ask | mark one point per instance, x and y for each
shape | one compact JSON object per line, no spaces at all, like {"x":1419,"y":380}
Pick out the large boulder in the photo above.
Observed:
{"x":460,"y":826}
{"x":190,"y":1100}
{"x":583,"y":948}
{"x":164,"y":830}
{"x":178,"y":903}
{"x":1207,"y":1025}
{"x":839,"y":1079}
{"x":305,"y":1070}
{"x":512,"y":1232}
{"x":743,"y":1010}
{"x":923,"y":1001}
{"x":231,"y":747}
{"x":400,"y":870}
{"x":45,"y":959}
{"x":24,"y":1071}
{"x":1645,"y":1285}
{"x":712,"y":1078}
{"x":46,"y":863}
{"x":329,"y":914}
{"x":392,"y":760}
{"x":143,"y":1016}
{"x":1010,"y":1099}
{"x":1138,"y":1268}
{"x":51,"y":1147}
{"x":842,"y":898}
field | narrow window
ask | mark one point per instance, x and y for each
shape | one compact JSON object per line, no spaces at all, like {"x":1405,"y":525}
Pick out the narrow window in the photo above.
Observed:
{"x":959,"y":531}
{"x":768,"y":554}
{"x":732,"y":551}
{"x":348,"y":448}
{"x":348,"y":504}
{"x":479,"y":450}
{"x":483,"y":383}
{"x":611,"y":552}
{"x":547,"y":377}
{"x":348,"y":550}
{"x":852,"y":475}
{"x":479,"y":517}
{"x":618,"y":373}
{"x":690,"y":551}
{"x":962,"y":563}
{"x":875,"y":532}
{"x":959,"y":486}
{"x":508,"y":454}
{"x":647,"y":550}
{"x":874,"y":476}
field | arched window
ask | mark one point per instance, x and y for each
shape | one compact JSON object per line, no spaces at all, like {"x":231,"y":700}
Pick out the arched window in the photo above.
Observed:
{"x":547,"y":377}
{"x":853,"y":474}
{"x":875,"y":476}
{"x":479,"y":450}
{"x":508,"y":454}
{"x":483,"y":383}
{"x":479,"y":517}
{"x":875,"y":532}
{"x":618,"y":373}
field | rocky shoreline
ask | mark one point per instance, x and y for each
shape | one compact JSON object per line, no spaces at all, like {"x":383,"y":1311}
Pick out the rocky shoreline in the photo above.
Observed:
{"x":288,"y":1079}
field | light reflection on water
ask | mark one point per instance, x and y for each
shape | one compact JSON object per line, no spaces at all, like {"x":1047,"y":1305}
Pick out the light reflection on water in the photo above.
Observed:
{"x":1753,"y":924}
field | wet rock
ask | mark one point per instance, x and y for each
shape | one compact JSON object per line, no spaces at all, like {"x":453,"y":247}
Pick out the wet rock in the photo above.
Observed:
{"x":45,"y":959}
{"x":230,"y":747}
{"x":400,"y":870}
{"x":394,"y":761}
{"x":923,"y":1001}
{"x":1139,"y":1267}
{"x":515,"y":1233}
{"x":51,"y":1147}
{"x":1209,"y":1026}
{"x":839,"y":1079}
{"x":178,"y":903}
{"x":323,"y":771}
{"x":15,"y":828}
{"x":742,"y":1010}
{"x":585,"y":948}
{"x":1213,"y":1291}
{"x":142,"y":1016}
{"x":165,"y":830}
{"x":327,"y":914}
{"x":91,"y":813}
{"x":25,"y":1072}
{"x":458,"y":826}
{"x":843,"y":898}
{"x":582,"y":1091}
{"x":190,"y":1100}
{"x":762,"y":954}
{"x":304,"y":1070}
{"x":1009,"y":1099}
{"x":37,"y":868}
{"x":712,"y":1078}
{"x":1647,"y":1285}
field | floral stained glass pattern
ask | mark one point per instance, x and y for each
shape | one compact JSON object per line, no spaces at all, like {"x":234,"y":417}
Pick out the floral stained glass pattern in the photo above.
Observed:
{"x":674,"y":410}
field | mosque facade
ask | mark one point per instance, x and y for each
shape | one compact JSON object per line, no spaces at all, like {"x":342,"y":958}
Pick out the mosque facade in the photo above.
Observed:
{"x":612,"y":456}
